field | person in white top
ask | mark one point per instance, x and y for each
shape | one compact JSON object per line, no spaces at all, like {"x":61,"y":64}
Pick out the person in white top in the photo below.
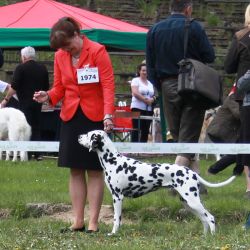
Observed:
{"x":143,"y":97}
{"x":3,"y":86}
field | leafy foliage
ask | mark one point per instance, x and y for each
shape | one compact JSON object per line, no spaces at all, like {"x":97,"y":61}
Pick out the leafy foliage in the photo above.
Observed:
{"x":148,"y":8}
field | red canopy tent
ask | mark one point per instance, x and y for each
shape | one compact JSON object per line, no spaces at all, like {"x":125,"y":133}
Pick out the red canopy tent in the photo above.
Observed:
{"x":29,"y":23}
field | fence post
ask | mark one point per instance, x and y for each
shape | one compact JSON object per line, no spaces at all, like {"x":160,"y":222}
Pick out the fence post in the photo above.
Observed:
{"x":163,"y":121}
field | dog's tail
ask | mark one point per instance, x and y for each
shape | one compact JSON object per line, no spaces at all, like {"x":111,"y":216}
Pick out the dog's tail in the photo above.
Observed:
{"x":208,"y":184}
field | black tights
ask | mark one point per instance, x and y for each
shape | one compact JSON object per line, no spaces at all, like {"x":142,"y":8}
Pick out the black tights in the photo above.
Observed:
{"x":142,"y":126}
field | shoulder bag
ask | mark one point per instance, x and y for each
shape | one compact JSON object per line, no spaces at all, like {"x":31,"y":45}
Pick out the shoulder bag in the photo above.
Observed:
{"x":198,"y":84}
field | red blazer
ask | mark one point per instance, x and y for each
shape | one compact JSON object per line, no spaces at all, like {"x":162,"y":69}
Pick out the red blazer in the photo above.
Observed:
{"x":95,"y":99}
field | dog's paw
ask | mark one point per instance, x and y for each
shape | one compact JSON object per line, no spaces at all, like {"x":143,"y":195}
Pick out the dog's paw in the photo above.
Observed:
{"x":110,"y":234}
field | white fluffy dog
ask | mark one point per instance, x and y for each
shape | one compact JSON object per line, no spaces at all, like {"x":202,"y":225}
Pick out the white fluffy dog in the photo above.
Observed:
{"x":14,"y":127}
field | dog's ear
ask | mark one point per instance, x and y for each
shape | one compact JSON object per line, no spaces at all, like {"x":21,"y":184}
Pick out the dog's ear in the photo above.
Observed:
{"x":97,"y":142}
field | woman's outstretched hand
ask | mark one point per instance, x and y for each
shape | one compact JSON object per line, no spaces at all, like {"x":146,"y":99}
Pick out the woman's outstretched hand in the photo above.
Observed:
{"x":41,"y":96}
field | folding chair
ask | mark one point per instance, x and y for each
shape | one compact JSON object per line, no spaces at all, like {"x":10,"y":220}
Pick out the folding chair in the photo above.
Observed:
{"x":123,"y":126}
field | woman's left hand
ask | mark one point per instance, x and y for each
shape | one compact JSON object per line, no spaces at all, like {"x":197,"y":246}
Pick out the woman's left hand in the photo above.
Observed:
{"x":149,"y":101}
{"x":108,"y":125}
{"x":41,"y":96}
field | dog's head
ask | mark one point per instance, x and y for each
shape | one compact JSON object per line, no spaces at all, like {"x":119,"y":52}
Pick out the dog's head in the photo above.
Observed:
{"x":93,"y":140}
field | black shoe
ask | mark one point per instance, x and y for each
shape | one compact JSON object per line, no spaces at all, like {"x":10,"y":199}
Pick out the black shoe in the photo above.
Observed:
{"x":211,"y":170}
{"x":72,"y":230}
{"x":238,"y":169}
{"x":92,"y":231}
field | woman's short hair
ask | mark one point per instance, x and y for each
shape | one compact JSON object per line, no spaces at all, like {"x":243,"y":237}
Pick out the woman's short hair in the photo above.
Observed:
{"x":179,"y":5}
{"x":247,"y":16}
{"x":28,"y":52}
{"x":62,"y":31}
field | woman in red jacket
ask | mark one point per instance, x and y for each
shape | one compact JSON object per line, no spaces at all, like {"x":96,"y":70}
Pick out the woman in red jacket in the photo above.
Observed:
{"x":84,"y":82}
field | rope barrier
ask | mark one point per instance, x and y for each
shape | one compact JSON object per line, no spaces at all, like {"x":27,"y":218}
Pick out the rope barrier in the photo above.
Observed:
{"x":145,"y":148}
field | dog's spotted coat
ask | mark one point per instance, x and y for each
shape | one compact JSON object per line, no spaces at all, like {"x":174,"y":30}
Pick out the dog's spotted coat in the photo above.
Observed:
{"x":127,"y":177}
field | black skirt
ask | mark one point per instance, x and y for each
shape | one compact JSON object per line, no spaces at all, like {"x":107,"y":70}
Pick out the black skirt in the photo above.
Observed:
{"x":71,"y":153}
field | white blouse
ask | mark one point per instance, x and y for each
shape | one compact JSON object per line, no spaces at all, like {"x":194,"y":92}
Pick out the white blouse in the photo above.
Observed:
{"x":3,"y":86}
{"x":145,"y":90}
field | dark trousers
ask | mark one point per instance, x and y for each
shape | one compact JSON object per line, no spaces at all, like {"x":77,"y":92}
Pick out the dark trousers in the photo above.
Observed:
{"x":224,"y":162}
{"x":245,"y":133}
{"x":141,"y":126}
{"x":32,"y":113}
{"x":184,"y":121}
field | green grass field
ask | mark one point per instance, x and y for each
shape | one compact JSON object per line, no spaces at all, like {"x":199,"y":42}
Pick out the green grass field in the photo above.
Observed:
{"x":156,"y":220}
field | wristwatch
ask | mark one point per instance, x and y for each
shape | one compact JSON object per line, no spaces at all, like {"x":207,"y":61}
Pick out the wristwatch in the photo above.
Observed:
{"x":108,"y":116}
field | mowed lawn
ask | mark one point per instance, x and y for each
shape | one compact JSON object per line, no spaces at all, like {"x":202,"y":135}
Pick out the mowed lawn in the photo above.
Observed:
{"x":155,"y":220}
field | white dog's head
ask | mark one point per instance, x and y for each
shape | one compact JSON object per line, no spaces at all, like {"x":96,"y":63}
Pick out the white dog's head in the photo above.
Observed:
{"x":93,"y":140}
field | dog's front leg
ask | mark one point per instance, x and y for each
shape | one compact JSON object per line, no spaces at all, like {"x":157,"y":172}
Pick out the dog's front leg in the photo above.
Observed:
{"x":117,"y":203}
{"x":7,"y":157}
{"x":23,"y":155}
{"x":14,"y":156}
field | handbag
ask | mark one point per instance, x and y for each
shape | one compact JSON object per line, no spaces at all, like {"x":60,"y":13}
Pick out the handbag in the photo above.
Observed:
{"x":198,"y":84}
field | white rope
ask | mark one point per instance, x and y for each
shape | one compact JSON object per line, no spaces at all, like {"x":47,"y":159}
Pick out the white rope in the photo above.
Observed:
{"x":147,"y":148}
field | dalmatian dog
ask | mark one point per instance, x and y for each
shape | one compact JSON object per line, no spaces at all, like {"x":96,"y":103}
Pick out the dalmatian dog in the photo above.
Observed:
{"x":127,"y":177}
{"x":14,"y":127}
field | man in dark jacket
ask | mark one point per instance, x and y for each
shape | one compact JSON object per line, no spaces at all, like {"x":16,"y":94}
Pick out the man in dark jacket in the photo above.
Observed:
{"x":164,"y":49}
{"x":29,"y":77}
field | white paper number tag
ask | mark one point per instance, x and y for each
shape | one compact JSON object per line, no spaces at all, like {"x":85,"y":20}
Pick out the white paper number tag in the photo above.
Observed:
{"x":87,"y":75}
